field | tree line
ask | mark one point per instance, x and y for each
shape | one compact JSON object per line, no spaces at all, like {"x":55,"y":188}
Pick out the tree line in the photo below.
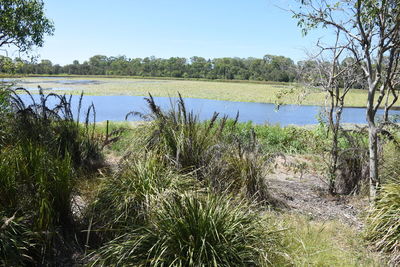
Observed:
{"x":268,"y":68}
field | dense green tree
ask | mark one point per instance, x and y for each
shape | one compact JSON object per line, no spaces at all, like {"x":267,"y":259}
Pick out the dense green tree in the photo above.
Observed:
{"x":45,"y":67}
{"x":98,"y":64}
{"x":23,"y":23}
{"x":7,"y":65}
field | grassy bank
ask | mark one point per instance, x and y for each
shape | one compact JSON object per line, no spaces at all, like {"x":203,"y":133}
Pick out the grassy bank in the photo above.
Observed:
{"x":219,"y":90}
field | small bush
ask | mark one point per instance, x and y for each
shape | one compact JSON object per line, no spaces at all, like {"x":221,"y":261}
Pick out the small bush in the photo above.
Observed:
{"x":125,"y":198}
{"x":180,"y":136}
{"x":32,"y":181}
{"x":195,"y":230}
{"x":383,"y":223}
{"x":52,"y":127}
{"x":240,"y":169}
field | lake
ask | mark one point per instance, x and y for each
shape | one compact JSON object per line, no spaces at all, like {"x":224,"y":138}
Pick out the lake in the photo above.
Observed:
{"x":114,"y":108}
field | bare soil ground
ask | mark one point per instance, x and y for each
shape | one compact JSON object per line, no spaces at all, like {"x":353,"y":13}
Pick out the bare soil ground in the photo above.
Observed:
{"x":304,"y":191}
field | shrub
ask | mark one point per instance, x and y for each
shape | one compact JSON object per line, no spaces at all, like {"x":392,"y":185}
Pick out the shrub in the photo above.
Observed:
{"x":240,"y":169}
{"x":41,"y":151}
{"x":36,"y":183}
{"x":215,"y":151}
{"x":124,"y":199}
{"x":179,"y":135}
{"x":195,"y":230}
{"x":383,"y":222}
{"x":53,"y":128}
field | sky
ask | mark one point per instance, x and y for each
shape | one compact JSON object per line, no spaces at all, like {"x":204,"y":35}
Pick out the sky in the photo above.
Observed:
{"x":173,"y":28}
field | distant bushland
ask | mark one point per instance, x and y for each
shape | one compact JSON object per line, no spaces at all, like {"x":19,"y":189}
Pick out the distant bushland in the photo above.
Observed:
{"x":268,"y":68}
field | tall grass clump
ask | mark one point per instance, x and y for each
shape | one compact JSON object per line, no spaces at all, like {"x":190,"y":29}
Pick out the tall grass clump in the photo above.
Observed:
{"x":241,"y":169}
{"x":211,"y":151}
{"x":53,"y":127}
{"x":42,"y":153}
{"x":195,"y":230}
{"x":389,"y":167}
{"x":179,"y":135}
{"x":35,"y":183}
{"x":124,"y":199}
{"x":383,"y":222}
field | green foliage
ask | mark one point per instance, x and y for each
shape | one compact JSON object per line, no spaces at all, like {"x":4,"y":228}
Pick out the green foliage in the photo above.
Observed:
{"x":195,"y":230}
{"x":239,"y":168}
{"x":268,"y":68}
{"x":389,"y":168}
{"x":123,"y":200}
{"x":277,"y":139}
{"x":23,"y":23}
{"x":327,"y":243}
{"x":211,"y":151}
{"x":383,"y":222}
{"x":16,"y":241}
{"x":53,"y":128}
{"x":180,"y":136}
{"x":33,"y":181}
{"x":42,"y":150}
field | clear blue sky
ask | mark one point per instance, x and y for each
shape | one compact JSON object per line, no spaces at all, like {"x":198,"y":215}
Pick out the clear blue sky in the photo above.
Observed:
{"x":165,"y":28}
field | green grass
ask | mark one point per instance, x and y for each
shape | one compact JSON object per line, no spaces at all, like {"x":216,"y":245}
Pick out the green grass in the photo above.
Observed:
{"x":230,"y":91}
{"x":330,"y":243}
{"x":271,"y":138}
{"x":17,"y":241}
{"x":277,"y":139}
{"x":125,"y":136}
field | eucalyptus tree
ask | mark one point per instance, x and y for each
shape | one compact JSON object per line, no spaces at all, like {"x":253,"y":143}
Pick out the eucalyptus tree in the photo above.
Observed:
{"x":336,"y":77}
{"x":369,"y":30}
{"x":23,"y":23}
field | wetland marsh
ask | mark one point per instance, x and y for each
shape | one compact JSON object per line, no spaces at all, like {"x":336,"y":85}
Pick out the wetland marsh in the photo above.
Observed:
{"x":256,"y":102}
{"x":260,"y":92}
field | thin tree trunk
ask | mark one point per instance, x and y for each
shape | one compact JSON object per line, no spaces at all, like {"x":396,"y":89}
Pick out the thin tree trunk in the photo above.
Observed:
{"x":373,"y":159}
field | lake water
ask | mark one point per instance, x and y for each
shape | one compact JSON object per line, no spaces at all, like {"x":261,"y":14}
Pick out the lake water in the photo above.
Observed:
{"x":114,"y":108}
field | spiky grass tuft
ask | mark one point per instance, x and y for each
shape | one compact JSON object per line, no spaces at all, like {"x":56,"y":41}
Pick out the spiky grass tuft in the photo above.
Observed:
{"x":383,"y":223}
{"x":125,"y":198}
{"x":195,"y":230}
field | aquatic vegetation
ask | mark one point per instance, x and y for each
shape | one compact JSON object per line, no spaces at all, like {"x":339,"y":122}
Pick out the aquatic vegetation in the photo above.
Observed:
{"x":230,"y":91}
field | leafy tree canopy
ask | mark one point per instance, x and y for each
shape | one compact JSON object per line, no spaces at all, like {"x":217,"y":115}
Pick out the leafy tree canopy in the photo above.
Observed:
{"x":23,"y":23}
